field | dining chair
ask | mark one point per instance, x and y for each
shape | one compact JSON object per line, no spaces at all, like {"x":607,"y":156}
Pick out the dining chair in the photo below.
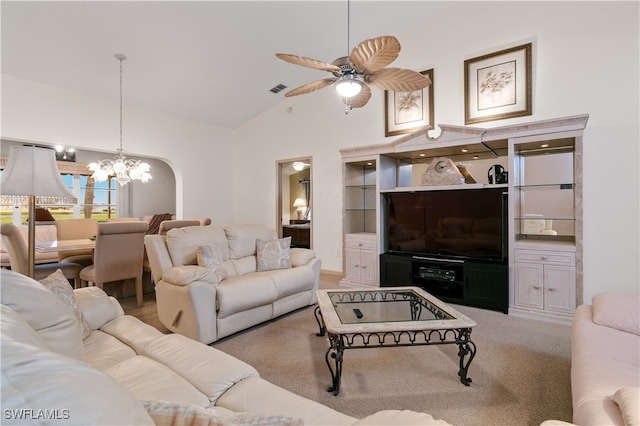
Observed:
{"x":75,"y":229}
{"x":118,"y":255}
{"x":18,"y":257}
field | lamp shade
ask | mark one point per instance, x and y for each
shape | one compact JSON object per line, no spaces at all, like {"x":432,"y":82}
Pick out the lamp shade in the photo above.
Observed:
{"x":299,"y":202}
{"x":32,"y":171}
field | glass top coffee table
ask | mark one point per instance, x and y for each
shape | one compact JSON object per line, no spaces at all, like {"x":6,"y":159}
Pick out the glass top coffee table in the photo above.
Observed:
{"x":389,"y":316}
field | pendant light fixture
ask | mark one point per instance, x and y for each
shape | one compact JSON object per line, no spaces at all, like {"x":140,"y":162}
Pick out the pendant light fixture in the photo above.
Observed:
{"x":123,"y":169}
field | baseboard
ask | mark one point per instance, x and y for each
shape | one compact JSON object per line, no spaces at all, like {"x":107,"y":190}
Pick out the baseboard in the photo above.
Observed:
{"x":557,"y":318}
{"x":331,"y":273}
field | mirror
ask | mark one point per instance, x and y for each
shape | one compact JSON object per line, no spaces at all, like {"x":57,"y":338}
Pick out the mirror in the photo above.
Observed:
{"x":294,"y":203}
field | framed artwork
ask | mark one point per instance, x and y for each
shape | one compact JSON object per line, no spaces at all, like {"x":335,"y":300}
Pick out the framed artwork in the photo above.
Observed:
{"x":405,"y":112}
{"x":498,"y":85}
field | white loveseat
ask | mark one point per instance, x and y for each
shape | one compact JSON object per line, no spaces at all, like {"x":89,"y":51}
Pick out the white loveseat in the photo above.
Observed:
{"x":605,"y":361}
{"x":205,"y":304}
{"x":116,"y":370}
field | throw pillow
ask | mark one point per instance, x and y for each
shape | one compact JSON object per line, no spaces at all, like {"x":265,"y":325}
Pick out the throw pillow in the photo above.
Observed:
{"x":209,"y":256}
{"x":58,"y":284}
{"x":273,"y":254}
{"x":166,"y":413}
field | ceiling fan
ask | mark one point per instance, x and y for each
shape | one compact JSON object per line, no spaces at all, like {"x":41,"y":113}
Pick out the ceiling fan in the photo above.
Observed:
{"x":365,"y":65}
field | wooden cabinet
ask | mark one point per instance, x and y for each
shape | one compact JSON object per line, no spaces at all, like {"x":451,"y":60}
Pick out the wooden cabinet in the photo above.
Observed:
{"x":361,"y":260}
{"x":545,"y":282}
{"x":300,"y":235}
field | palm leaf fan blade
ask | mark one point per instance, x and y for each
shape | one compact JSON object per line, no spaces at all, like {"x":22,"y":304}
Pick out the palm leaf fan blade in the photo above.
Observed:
{"x":398,"y":80}
{"x":375,"y":53}
{"x":310,"y":87}
{"x":361,"y":99}
{"x":307,"y":62}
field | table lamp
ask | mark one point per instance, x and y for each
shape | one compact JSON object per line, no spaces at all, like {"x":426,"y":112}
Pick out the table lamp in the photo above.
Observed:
{"x":299,"y":204}
{"x":32,"y":173}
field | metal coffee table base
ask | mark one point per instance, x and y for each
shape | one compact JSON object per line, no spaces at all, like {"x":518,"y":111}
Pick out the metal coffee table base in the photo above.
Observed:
{"x":339,"y":342}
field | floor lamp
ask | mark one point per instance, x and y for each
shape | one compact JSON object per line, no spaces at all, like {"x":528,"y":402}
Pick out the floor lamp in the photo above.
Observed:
{"x":32,"y":176}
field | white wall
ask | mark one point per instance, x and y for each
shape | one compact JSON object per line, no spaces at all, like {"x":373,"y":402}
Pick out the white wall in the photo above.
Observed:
{"x":201,"y":155}
{"x":585,"y":61}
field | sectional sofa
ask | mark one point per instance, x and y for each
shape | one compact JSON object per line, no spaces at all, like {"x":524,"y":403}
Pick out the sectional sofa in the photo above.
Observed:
{"x":605,"y":361}
{"x":73,"y":357}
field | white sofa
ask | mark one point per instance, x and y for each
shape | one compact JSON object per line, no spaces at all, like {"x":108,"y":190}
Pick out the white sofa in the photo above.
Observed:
{"x":98,"y":366}
{"x":43,"y":233}
{"x":605,"y":361}
{"x":205,"y":304}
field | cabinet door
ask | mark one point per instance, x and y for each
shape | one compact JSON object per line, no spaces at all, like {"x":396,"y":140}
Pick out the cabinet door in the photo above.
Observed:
{"x":368,"y":262}
{"x":559,"y":285}
{"x":487,"y":285}
{"x":529,"y":284}
{"x":395,"y":271}
{"x":352,"y":264}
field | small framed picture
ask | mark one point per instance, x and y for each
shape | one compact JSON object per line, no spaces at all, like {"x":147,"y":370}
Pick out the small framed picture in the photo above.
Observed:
{"x":405,"y":112}
{"x":498,"y":85}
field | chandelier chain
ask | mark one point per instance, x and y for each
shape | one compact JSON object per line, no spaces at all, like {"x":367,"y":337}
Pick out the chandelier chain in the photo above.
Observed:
{"x":121,"y":58}
{"x":123,"y":169}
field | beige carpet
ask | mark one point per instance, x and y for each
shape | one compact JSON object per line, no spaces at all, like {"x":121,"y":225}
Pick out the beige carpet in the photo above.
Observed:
{"x":521,"y":372}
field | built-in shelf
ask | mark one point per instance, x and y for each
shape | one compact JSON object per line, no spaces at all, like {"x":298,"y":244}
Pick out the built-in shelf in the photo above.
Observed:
{"x":544,"y":164}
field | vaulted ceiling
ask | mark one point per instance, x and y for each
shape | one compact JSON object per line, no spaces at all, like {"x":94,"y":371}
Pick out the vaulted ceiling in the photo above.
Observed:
{"x":211,"y":61}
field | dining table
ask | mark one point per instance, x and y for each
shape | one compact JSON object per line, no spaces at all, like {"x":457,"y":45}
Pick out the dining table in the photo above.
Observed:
{"x":64,"y":245}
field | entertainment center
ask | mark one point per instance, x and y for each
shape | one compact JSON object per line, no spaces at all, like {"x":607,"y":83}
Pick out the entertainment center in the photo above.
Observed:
{"x":512,"y":244}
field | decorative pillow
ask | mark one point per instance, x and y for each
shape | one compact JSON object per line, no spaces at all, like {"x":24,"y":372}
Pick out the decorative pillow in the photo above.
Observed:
{"x":273,"y":254}
{"x":209,"y":256}
{"x":628,"y":399}
{"x":58,"y":284}
{"x":174,"y":414}
{"x":617,"y":310}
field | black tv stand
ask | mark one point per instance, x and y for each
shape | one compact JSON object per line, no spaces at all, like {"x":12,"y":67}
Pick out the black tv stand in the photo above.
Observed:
{"x":465,"y":282}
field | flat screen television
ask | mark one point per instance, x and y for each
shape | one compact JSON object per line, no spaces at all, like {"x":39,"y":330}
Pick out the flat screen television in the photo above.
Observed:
{"x":460,"y":223}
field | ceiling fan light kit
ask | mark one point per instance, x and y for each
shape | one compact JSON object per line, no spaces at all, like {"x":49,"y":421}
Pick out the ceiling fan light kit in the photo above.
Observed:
{"x":347,"y":86}
{"x":365,"y":66}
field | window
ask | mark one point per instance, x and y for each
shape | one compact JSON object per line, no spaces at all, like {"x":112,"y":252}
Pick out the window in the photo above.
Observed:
{"x":95,"y":200}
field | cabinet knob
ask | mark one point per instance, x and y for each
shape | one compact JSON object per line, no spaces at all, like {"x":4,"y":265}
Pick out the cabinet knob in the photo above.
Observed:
{"x":552,"y":289}
{"x":364,"y":266}
{"x":544,"y":257}
{"x":356,"y":265}
{"x":359,"y":244}
{"x":536,"y":287}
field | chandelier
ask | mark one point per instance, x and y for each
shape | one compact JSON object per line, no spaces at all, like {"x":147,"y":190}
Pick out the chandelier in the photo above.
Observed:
{"x":123,"y":169}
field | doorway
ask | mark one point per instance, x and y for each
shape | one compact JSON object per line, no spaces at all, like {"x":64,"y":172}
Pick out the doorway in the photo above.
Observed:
{"x":294,"y":203}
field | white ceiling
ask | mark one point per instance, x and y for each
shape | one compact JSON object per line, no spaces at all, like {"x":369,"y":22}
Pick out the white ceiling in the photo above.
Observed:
{"x":212,"y":61}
